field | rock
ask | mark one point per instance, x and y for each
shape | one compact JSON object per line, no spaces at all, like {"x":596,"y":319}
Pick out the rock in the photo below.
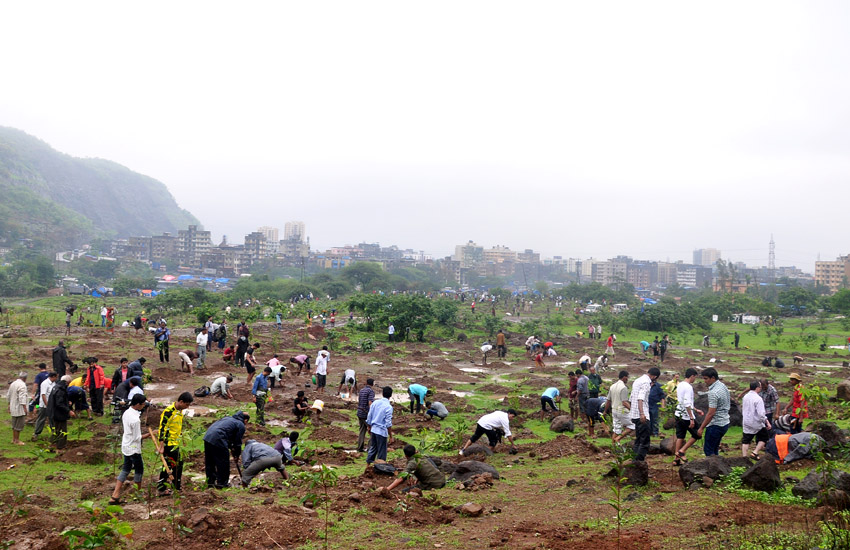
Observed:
{"x":763,"y":475}
{"x":738,"y":462}
{"x":415,"y":492}
{"x":571,"y":483}
{"x":269,"y":501}
{"x":562,"y":424}
{"x":843,"y":390}
{"x":668,"y":445}
{"x":468,"y":468}
{"x":631,"y":497}
{"x":655,"y":449}
{"x":472,"y":509}
{"x":636,"y":473}
{"x":830,"y":432}
{"x":813,"y":485}
{"x":354,"y":497}
{"x":735,"y":416}
{"x":198,"y":517}
{"x":309,"y":511}
{"x":699,"y":470}
{"x":670,"y":423}
{"x":478,"y":450}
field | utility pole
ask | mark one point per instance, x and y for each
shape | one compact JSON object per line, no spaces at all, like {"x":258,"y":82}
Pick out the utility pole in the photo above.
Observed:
{"x":771,"y":260}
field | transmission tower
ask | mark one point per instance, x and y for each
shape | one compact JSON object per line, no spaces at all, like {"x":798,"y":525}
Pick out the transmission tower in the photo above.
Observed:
{"x":771,"y":259}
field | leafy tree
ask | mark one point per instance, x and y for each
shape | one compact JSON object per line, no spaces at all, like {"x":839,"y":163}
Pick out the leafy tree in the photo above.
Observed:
{"x":840,"y":301}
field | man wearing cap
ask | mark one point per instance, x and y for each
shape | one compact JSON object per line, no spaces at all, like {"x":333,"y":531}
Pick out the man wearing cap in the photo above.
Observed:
{"x":161,"y":337}
{"x":716,"y":421}
{"x":18,"y":400}
{"x":798,"y":407}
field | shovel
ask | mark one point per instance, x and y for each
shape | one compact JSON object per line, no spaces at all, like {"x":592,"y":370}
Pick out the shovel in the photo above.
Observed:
{"x":159,"y":449}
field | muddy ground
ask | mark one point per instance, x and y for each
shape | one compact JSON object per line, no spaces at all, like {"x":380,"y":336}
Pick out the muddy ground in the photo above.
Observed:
{"x":550,"y":495}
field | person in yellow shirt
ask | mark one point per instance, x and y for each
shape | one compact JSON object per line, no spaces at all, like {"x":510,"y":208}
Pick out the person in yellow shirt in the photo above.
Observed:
{"x":670,"y":387}
{"x":169,"y":435}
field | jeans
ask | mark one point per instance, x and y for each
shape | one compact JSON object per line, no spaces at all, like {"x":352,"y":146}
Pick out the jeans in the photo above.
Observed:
{"x":202,"y":356}
{"x":216,"y":465}
{"x":132,"y":462}
{"x":712,"y":437}
{"x":641,"y":447}
{"x":377,"y":448}
{"x":414,"y":402}
{"x":433,"y":412}
{"x":361,"y":437}
{"x":653,"y":419}
{"x":103,"y":320}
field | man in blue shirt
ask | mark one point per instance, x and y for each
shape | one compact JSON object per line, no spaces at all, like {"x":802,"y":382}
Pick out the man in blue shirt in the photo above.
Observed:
{"x":549,"y":397}
{"x":260,"y":392}
{"x":417,"y":393}
{"x":380,"y":422}
{"x":222,"y":436}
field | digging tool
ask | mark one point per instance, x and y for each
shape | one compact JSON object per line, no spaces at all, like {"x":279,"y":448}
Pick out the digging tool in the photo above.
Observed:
{"x":159,"y":449}
{"x":238,"y":470}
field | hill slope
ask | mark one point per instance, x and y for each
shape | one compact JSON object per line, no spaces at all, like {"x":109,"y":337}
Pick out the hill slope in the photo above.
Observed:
{"x":63,"y":201}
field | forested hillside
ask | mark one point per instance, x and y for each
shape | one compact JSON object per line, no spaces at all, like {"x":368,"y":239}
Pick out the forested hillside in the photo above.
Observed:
{"x":62,"y":201}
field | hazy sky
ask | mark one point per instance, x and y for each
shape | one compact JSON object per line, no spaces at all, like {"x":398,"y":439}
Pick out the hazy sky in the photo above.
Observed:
{"x":576,"y":129}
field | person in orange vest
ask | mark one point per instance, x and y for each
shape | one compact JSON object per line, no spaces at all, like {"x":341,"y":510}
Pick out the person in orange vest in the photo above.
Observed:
{"x":787,"y":448}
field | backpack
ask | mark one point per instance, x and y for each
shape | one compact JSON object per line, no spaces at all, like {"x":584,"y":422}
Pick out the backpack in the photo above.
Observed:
{"x":217,"y":334}
{"x":203,"y":391}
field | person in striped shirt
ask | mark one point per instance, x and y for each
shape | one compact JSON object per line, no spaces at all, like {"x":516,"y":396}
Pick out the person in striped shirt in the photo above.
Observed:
{"x":170,"y":431}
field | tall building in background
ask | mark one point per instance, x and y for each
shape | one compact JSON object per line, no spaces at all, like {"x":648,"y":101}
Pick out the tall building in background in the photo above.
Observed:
{"x":834,"y":275}
{"x":272,"y":238}
{"x":469,"y":254}
{"x":294,"y":231}
{"x":706,"y":257}
{"x":192,"y":243}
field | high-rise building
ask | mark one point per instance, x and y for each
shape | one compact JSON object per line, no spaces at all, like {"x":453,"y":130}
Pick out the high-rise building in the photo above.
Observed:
{"x":255,"y":245}
{"x":272,"y":238}
{"x":192,"y":243}
{"x":294,"y":231}
{"x":469,"y":254}
{"x":834,"y":275}
{"x":706,"y":257}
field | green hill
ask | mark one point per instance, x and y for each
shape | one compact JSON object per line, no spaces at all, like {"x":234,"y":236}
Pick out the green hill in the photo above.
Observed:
{"x":62,"y":201}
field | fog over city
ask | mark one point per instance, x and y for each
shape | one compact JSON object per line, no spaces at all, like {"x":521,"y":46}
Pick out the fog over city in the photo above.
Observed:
{"x":574,"y":129}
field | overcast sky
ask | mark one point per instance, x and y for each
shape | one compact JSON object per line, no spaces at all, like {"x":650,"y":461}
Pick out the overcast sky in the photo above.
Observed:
{"x":576,"y":129}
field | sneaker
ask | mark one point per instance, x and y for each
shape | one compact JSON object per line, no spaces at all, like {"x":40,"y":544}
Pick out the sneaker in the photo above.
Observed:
{"x":460,"y":453}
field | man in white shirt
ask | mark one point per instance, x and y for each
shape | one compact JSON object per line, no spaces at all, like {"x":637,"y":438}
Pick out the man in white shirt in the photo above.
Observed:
{"x":755,"y":422}
{"x":493,"y":425}
{"x":43,"y":395}
{"x":103,"y":312}
{"x":131,"y":447}
{"x":686,"y":415}
{"x":202,"y":339}
{"x":584,"y":362}
{"x":322,"y":369}
{"x":18,"y":402}
{"x":618,"y":402}
{"x":390,"y":332}
{"x":221,"y":387}
{"x":349,"y":380}
{"x":639,"y":411}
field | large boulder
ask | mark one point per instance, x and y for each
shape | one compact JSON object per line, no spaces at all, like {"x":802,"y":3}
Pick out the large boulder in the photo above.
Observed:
{"x":477,"y":449}
{"x":670,"y":423}
{"x":763,"y":475}
{"x":713,"y":467}
{"x":668,"y":445}
{"x":735,"y":416}
{"x":833,"y":490}
{"x":636,"y":473}
{"x":843,"y":390}
{"x":834,"y":436}
{"x":562,"y":424}
{"x":468,"y":468}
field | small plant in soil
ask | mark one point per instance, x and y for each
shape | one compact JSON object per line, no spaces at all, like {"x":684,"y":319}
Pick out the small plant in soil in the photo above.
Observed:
{"x":318,"y":483}
{"x":106,"y":529}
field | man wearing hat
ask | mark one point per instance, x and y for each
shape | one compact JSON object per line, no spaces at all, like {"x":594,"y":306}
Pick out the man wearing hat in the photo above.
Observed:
{"x":798,"y":407}
{"x":18,"y":400}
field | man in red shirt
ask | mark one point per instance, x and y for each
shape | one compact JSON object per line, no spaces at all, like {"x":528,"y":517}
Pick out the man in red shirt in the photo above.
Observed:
{"x":610,"y":345}
{"x":798,"y":407}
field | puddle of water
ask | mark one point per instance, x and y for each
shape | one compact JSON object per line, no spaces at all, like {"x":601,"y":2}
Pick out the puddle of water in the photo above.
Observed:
{"x":747,"y":372}
{"x":473,"y":369}
{"x":199,"y":411}
{"x":825,"y":366}
{"x":378,"y":363}
{"x":568,"y":363}
{"x":160,"y":386}
{"x":837,"y":347}
{"x":414,"y":364}
{"x":165,"y":401}
{"x":278,"y":423}
{"x":460,"y":393}
{"x":697,"y":350}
